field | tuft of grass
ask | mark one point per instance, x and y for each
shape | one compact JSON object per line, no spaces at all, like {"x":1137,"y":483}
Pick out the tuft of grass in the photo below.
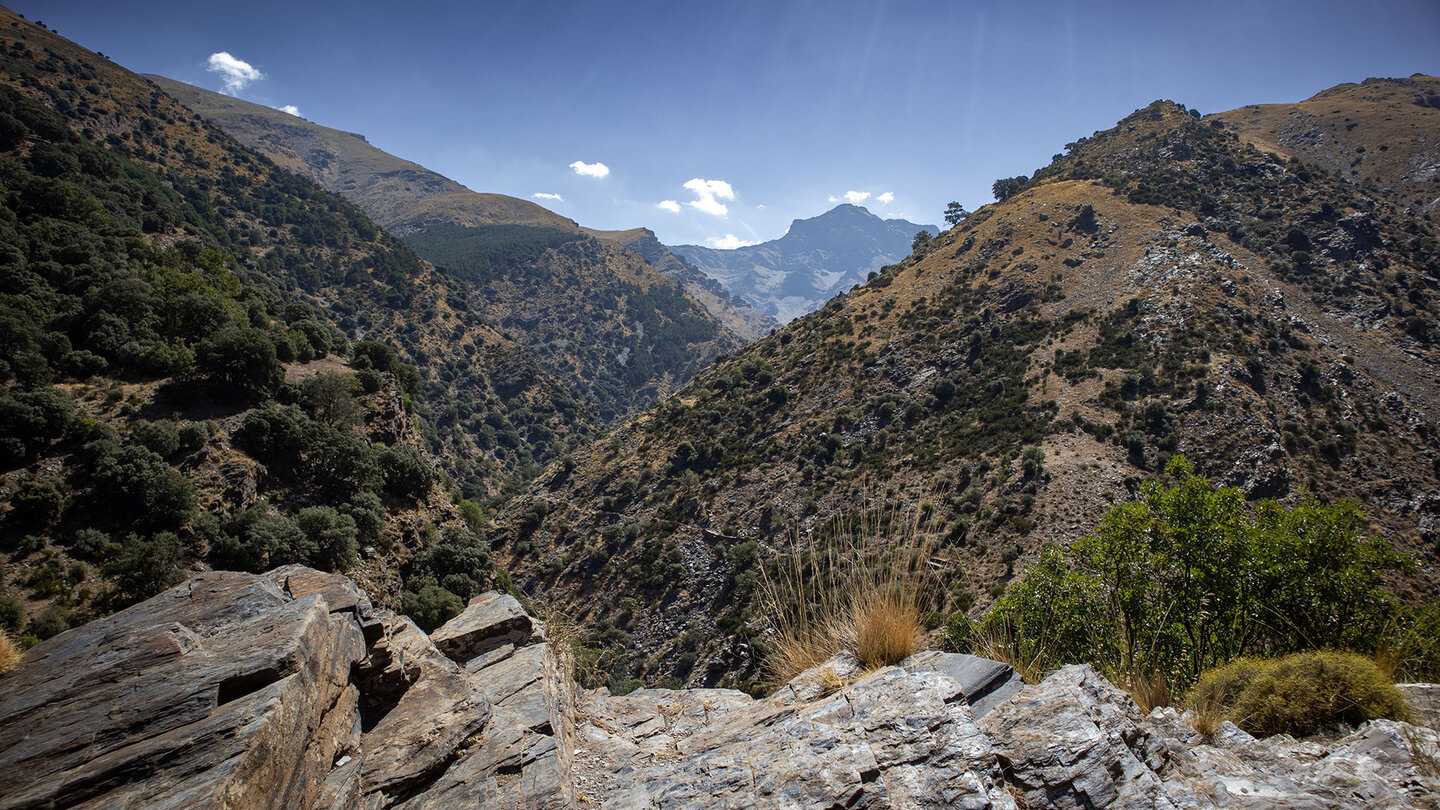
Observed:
{"x":1206,"y":715}
{"x":863,"y":585}
{"x":10,"y":654}
{"x":1149,"y":690}
{"x":887,"y":627}
{"x":1299,"y":694}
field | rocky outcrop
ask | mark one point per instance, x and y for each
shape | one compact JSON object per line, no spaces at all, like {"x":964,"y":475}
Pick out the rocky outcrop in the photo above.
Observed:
{"x":291,"y":690}
{"x":288,"y":690}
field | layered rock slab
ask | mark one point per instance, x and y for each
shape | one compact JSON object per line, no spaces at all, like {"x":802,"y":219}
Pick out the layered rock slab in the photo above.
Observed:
{"x":893,"y":739}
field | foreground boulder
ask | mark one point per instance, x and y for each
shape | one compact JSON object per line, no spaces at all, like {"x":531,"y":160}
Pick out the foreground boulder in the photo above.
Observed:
{"x":290,"y":690}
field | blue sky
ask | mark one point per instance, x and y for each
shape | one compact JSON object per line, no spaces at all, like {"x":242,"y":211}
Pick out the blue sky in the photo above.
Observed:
{"x":769,"y":111}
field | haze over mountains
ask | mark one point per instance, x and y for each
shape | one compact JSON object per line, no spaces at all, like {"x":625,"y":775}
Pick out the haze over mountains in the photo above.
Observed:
{"x":815,"y":259}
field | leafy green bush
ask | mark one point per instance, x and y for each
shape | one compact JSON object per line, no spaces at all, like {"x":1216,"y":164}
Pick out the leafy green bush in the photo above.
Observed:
{"x":1300,"y":694}
{"x":136,"y":482}
{"x":329,"y":538}
{"x":30,"y":420}
{"x":459,"y":561}
{"x":241,"y":361}
{"x":12,"y":613}
{"x":257,"y":541}
{"x":145,"y":567}
{"x":1189,"y":576}
{"x":432,"y":606}
{"x":35,"y":505}
{"x":369,"y":515}
{"x":405,"y":471}
{"x":160,"y":436}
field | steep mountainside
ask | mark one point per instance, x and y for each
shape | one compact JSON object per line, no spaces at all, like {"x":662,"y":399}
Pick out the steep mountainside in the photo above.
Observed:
{"x":178,"y":314}
{"x":1161,"y":288}
{"x":561,"y":303}
{"x":738,"y":316}
{"x":396,"y":193}
{"x":1381,"y":132}
{"x":814,"y":260}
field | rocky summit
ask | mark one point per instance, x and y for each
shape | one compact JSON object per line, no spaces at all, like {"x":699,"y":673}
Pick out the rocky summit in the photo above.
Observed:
{"x":292,"y":690}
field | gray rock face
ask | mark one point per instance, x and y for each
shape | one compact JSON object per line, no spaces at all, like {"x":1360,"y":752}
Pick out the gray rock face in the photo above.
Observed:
{"x":291,"y":690}
{"x":986,"y":683}
{"x":892,"y":739}
{"x":287,"y":690}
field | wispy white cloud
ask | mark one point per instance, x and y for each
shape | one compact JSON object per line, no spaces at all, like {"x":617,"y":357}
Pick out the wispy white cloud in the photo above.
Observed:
{"x":290,"y":108}
{"x":852,"y":197}
{"x":669,"y":205}
{"x":708,"y":194}
{"x":596,"y":169}
{"x":235,"y":74}
{"x":542,"y":195}
{"x":728,"y":242}
{"x":886,"y":198}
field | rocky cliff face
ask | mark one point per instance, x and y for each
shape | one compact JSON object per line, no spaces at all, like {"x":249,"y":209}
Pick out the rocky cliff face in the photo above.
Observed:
{"x":291,"y":690}
{"x":814,"y":260}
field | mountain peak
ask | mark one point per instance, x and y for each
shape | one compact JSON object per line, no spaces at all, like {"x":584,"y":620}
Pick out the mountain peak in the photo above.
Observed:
{"x":817,"y":258}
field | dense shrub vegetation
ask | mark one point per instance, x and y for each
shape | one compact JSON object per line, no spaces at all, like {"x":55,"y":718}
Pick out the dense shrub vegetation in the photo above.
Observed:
{"x":1299,"y":694}
{"x":1189,"y":576}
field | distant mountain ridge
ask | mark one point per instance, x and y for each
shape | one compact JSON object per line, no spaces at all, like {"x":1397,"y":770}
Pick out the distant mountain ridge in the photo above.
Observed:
{"x":816,"y":259}
{"x":398,"y":194}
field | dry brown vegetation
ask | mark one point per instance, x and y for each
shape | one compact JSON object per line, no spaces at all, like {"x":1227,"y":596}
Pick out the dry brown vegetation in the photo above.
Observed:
{"x":10,"y":655}
{"x":864,"y":591}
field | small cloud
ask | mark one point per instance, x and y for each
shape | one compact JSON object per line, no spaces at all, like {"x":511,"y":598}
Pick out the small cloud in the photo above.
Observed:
{"x":669,"y":205}
{"x":590,"y":169}
{"x":760,"y":207}
{"x":541,"y":195}
{"x":235,"y":74}
{"x":728,"y":242}
{"x":886,"y":198}
{"x":708,"y":194}
{"x":290,"y":108}
{"x":852,"y":197}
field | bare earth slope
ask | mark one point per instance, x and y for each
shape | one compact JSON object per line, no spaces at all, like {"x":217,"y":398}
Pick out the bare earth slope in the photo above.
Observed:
{"x":1384,"y":132}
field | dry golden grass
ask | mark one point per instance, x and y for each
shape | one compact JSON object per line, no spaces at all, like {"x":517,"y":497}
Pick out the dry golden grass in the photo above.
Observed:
{"x":1206,"y":715}
{"x":1149,"y":690}
{"x":10,"y":654}
{"x":864,"y":590}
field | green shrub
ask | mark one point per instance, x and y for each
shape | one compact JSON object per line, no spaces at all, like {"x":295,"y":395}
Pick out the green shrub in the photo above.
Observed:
{"x":369,"y":515}
{"x":258,"y":541}
{"x":1300,"y":694}
{"x":329,"y":538}
{"x":405,"y":472}
{"x":432,"y":606}
{"x":242,"y":362}
{"x":137,"y":482}
{"x":12,"y":613}
{"x":459,"y":561}
{"x":89,"y":543}
{"x":1189,"y":576}
{"x":145,"y":567}
{"x":35,"y":505}
{"x":160,"y":436}
{"x":193,"y":436}
{"x":54,"y":621}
